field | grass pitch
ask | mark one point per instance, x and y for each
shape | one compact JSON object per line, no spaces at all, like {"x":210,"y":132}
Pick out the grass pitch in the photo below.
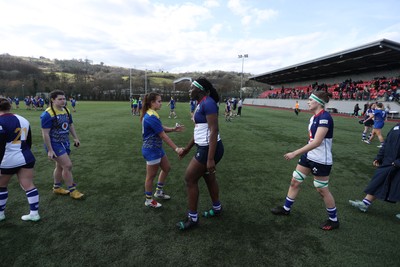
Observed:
{"x":112,"y":227}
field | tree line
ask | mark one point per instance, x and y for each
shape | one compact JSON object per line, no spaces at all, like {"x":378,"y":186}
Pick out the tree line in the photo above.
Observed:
{"x":80,"y":78}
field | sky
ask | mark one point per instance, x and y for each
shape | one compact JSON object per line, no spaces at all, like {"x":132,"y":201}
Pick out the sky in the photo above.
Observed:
{"x":184,"y":36}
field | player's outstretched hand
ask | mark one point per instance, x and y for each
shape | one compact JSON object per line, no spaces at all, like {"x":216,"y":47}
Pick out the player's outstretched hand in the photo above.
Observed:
{"x":179,"y":128}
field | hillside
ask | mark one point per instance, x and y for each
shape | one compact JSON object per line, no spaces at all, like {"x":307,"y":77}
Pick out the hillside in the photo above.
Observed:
{"x":20,"y":76}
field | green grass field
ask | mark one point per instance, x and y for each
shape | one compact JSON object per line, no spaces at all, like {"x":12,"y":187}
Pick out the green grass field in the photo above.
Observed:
{"x":112,"y":227}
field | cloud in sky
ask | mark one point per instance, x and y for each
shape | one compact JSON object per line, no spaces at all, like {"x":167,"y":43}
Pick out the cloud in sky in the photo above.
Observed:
{"x":181,"y":36}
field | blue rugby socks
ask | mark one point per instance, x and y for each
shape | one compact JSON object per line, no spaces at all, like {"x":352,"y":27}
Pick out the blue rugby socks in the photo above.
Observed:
{"x":288,"y":203}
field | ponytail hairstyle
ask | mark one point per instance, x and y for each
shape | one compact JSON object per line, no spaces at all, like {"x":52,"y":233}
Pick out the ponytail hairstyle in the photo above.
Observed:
{"x":53,"y":95}
{"x":5,"y":104}
{"x":148,"y":98}
{"x":321,"y":95}
{"x":208,"y":87}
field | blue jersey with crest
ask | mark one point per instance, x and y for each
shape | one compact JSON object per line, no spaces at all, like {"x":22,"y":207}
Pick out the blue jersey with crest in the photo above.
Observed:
{"x":151,"y":127}
{"x":58,"y":124}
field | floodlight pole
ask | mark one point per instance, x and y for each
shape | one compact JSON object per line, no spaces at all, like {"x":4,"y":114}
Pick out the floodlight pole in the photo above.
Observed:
{"x":241,"y":79}
{"x":145,"y":82}
{"x":130,"y":83}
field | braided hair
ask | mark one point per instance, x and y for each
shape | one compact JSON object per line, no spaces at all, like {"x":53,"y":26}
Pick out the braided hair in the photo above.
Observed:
{"x":208,"y":87}
{"x":53,"y":95}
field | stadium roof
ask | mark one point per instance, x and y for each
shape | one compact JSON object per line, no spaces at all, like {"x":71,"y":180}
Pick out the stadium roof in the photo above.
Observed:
{"x":376,"y":56}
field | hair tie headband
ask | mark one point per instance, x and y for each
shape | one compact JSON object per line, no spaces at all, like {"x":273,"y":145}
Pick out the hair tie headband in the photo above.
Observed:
{"x":195,"y":83}
{"x":316,"y":98}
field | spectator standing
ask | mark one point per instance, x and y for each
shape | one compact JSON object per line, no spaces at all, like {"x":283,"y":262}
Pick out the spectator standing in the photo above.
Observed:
{"x":296,"y":108}
{"x":356,"y":110}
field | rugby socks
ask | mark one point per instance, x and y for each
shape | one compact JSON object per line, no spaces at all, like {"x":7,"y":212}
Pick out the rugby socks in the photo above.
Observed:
{"x":160,"y":187}
{"x":193,"y":215}
{"x":364,"y":136}
{"x":33,"y":200}
{"x":332,"y":213}
{"x":288,"y":203}
{"x":367,"y":202}
{"x":216,"y":206}
{"x":3,"y":199}
{"x":57,"y":185}
{"x":148,"y":195}
{"x":72,"y":188}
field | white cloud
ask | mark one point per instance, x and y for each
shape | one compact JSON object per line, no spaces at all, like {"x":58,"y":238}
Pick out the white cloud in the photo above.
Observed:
{"x":180,"y":36}
{"x":392,"y":32}
{"x":211,"y":3}
{"x":250,"y":14}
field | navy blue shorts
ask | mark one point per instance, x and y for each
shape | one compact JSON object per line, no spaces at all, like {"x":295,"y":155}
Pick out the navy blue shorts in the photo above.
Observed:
{"x":369,"y":123}
{"x":202,"y":153}
{"x":15,"y":170}
{"x":317,"y":169}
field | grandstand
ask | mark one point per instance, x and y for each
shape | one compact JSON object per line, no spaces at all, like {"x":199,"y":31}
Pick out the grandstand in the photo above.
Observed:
{"x":370,"y":72}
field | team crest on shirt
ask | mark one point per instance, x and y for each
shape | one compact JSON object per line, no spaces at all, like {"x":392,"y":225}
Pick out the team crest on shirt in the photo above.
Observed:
{"x":64,"y":126}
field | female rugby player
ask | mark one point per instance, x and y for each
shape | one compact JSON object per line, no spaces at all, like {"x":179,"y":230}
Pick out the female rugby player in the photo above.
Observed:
{"x":154,"y":133}
{"x":57,"y":123}
{"x":209,"y":152}
{"x":316,"y":159}
{"x":16,"y":158}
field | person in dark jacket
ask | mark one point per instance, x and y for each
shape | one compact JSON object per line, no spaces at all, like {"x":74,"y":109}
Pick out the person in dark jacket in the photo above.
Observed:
{"x":356,"y":110}
{"x":385,"y":184}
